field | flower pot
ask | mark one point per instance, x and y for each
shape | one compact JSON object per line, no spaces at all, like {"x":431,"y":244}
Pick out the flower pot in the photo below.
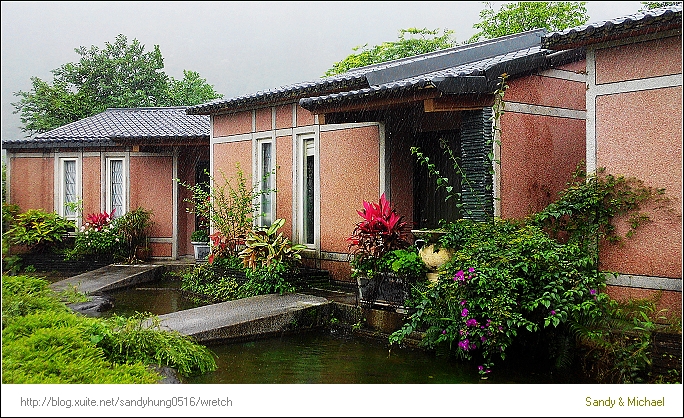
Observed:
{"x":201,"y":251}
{"x":143,"y":253}
{"x":430,"y":252}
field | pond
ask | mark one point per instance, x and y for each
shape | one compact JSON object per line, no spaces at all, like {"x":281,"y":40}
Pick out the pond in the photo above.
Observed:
{"x":319,"y":356}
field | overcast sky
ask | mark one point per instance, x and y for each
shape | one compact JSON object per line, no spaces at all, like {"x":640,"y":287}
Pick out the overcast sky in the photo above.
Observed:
{"x":238,"y":47}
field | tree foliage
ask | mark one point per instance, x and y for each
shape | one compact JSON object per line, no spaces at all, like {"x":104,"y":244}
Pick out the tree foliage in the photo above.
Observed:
{"x":516,"y":17}
{"x":650,"y":5}
{"x":411,"y":42}
{"x":119,"y":75}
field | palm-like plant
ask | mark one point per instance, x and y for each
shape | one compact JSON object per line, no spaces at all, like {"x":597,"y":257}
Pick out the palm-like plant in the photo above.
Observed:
{"x":264,"y":247}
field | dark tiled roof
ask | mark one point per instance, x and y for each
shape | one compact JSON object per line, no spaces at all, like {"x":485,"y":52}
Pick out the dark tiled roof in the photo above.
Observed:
{"x":514,"y":54}
{"x":649,"y":21}
{"x":149,"y":125}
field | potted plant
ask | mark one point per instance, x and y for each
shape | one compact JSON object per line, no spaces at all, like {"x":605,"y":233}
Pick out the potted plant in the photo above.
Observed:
{"x":431,"y":250}
{"x":200,"y":243}
{"x":134,"y":227}
{"x":380,"y":255}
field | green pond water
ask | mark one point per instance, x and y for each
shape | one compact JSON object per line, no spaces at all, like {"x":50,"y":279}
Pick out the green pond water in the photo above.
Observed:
{"x":320,"y":356}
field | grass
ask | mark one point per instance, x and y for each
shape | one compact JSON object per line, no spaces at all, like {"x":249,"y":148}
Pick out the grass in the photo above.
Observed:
{"x":43,"y":341}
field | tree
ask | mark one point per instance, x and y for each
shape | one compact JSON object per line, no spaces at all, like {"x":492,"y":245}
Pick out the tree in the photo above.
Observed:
{"x":650,"y":5}
{"x":522,"y":16}
{"x":411,"y":42}
{"x":120,"y":75}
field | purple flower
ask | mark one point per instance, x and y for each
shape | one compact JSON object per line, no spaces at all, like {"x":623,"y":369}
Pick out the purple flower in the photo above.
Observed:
{"x":443,"y":331}
{"x":471,"y":270}
{"x":464,"y":312}
{"x":553,"y":312}
{"x":480,"y":368}
{"x":473,"y":346}
{"x":500,"y":328}
{"x":592,"y":292}
{"x":471,"y":322}
{"x":483,"y":338}
{"x":459,"y":276}
{"x":463,"y":302}
{"x":463,"y":345}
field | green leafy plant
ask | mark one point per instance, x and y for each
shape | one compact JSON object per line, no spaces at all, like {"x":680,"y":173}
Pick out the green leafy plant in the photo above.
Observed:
{"x":380,"y":231}
{"x":266,"y":246}
{"x":199,"y":235}
{"x":39,"y":230}
{"x":45,"y":342}
{"x":618,"y":345}
{"x":267,"y":279}
{"x":587,"y":207}
{"x":504,"y":278}
{"x":229,"y":206}
{"x":134,"y":228}
{"x":99,"y":238}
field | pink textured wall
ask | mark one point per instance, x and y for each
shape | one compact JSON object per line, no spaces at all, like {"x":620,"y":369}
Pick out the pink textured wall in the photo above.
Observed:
{"x":284,"y":183}
{"x":227,"y":155}
{"x":31,"y":183}
{"x":538,"y":156}
{"x":339,"y":271}
{"x":349,"y":169}
{"x":91,"y":185}
{"x":232,"y":124}
{"x":304,"y":117}
{"x":547,"y":91}
{"x":151,"y":187}
{"x":634,"y":140}
{"x":161,"y":249}
{"x":641,"y":60}
{"x":283,"y":116}
{"x":264,"y":119}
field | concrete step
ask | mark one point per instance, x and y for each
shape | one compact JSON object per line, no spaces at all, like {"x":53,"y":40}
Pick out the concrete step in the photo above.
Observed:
{"x":250,"y":318}
{"x":109,"y":278}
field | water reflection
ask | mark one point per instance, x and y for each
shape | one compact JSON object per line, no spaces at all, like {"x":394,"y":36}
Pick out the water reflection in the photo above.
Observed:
{"x":321,"y":356}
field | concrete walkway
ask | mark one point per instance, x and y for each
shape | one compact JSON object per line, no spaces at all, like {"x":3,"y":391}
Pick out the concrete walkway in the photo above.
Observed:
{"x":247,"y":318}
{"x":109,"y":278}
{"x":250,"y":318}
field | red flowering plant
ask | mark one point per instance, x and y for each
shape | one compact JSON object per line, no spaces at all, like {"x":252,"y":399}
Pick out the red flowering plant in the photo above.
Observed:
{"x":97,"y":221}
{"x":99,"y":238}
{"x":381,"y":232}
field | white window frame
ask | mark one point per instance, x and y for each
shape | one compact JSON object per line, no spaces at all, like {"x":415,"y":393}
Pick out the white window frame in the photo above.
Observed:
{"x":108,"y":184}
{"x":259,"y":173}
{"x":61,"y":187}
{"x":300,"y":189}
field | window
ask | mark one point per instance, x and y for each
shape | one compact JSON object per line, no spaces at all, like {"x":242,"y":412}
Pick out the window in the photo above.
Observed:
{"x":307,"y":189}
{"x":266,"y":175}
{"x":69,"y":188}
{"x":116,"y":186}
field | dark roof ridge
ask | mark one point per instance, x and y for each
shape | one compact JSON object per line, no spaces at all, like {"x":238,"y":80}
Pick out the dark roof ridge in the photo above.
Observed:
{"x":145,"y":108}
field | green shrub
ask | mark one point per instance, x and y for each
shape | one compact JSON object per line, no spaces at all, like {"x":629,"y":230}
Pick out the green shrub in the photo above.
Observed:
{"x":38,"y":230}
{"x":504,"y":277}
{"x":105,"y":244}
{"x":45,"y":342}
{"x":264,"y":247}
{"x":139,"y":338}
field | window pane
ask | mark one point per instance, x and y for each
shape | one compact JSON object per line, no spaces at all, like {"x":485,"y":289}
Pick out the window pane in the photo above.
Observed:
{"x":69,"y":187}
{"x":117,"y":187}
{"x":309,"y":193}
{"x":266,"y":182}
